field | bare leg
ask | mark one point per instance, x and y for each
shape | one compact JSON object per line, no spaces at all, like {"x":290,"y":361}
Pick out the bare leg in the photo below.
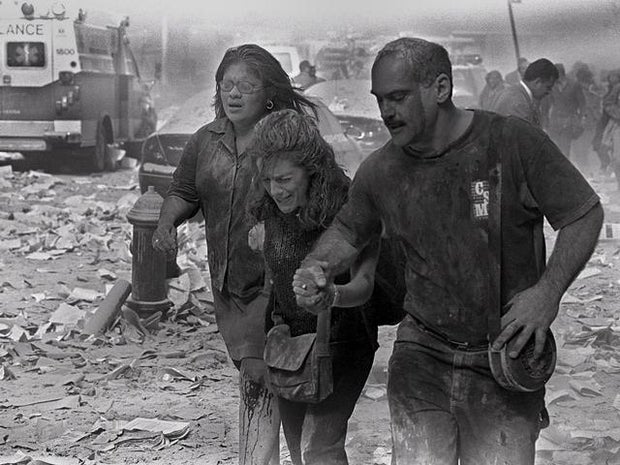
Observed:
{"x":259,"y":419}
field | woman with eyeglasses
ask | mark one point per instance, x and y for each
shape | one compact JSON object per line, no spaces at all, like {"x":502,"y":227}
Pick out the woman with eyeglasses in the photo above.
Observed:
{"x":214,"y":176}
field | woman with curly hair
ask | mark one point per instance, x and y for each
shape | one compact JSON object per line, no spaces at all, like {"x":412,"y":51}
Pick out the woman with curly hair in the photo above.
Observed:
{"x":298,"y":190}
{"x":214,"y":176}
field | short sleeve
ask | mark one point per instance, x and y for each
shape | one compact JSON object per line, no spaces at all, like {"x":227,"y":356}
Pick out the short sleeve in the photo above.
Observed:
{"x":561,"y":192}
{"x":183,"y":183}
{"x":358,"y":219}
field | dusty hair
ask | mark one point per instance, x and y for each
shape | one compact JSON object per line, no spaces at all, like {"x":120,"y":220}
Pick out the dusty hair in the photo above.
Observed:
{"x":293,"y":136}
{"x":427,"y":60}
{"x":268,"y":70}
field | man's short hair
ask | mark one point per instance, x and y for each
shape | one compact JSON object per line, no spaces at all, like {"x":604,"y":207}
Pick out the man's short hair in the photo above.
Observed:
{"x":493,"y":73}
{"x":541,"y":69}
{"x":305,"y":64}
{"x":427,"y":60}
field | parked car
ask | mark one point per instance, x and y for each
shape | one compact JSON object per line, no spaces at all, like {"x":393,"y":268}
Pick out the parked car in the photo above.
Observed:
{"x":356,"y":109}
{"x":162,"y":150}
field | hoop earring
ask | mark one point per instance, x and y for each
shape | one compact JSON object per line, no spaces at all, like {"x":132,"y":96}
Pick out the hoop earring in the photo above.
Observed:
{"x":269,"y":105}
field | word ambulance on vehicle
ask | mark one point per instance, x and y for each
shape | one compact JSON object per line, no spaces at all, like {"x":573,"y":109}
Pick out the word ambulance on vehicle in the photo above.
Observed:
{"x":69,"y":85}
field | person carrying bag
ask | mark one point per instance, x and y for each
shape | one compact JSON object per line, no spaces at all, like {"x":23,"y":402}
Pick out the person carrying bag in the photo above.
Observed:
{"x":319,"y":356}
{"x":300,"y":367}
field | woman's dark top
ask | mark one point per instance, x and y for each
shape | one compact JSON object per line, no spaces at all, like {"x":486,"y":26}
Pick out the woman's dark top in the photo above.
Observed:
{"x":286,"y":245}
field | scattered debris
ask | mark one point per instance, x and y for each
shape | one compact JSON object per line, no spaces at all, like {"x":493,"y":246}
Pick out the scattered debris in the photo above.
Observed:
{"x":109,"y":309}
{"x":586,"y":388}
{"x":67,"y":315}
{"x":589,"y":272}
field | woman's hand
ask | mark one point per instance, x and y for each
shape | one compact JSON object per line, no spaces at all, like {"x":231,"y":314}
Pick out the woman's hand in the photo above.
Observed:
{"x":311,"y":292}
{"x":165,"y":240}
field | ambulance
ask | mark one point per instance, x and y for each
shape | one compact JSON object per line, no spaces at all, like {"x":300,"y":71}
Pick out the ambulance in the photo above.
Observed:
{"x":68,"y":85}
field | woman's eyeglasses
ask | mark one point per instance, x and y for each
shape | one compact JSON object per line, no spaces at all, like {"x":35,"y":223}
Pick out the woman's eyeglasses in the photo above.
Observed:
{"x":244,"y":87}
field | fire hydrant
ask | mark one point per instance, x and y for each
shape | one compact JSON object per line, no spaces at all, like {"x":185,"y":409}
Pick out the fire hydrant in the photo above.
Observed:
{"x":148,"y":273}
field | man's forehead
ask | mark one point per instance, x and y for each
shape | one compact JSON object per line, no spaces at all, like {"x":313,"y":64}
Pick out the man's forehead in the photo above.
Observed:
{"x":392,"y":72}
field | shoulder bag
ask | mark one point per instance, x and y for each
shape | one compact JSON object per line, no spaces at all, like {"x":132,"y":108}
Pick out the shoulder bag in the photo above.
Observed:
{"x":300,"y":367}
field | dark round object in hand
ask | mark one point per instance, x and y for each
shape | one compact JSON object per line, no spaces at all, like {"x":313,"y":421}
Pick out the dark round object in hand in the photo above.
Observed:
{"x":524,"y":373}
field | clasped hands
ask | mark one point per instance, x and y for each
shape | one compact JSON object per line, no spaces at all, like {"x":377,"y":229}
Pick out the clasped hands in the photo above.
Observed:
{"x":312,"y":289}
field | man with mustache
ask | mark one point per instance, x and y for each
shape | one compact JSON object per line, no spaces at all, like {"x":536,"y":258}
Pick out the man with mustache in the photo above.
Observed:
{"x":429,"y":188}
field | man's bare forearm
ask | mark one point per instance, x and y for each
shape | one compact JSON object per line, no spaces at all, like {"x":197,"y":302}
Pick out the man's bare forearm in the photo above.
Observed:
{"x":334,"y":249}
{"x":573,"y":248}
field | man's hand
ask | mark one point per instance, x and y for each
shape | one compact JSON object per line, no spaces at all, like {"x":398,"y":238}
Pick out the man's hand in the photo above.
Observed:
{"x":310,"y":287}
{"x":165,"y":240}
{"x":529,"y":312}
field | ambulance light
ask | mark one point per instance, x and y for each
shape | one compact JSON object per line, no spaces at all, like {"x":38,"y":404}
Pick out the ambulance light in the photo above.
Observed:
{"x":59,"y":10}
{"x":28,"y":10}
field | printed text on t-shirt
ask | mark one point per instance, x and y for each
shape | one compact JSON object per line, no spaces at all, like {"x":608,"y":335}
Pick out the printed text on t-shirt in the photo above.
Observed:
{"x":479,"y":200}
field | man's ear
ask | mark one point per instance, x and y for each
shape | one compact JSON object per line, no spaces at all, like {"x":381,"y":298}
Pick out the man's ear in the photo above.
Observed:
{"x":443,"y":88}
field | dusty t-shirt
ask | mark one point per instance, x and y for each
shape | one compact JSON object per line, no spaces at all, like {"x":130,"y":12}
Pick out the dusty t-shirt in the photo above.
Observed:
{"x":436,"y":206}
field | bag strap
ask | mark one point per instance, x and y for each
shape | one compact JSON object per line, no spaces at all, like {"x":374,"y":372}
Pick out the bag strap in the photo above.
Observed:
{"x":494,"y":229}
{"x":323,"y":332}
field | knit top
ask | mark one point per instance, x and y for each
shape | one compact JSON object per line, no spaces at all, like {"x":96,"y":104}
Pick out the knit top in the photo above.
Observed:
{"x":286,"y":244}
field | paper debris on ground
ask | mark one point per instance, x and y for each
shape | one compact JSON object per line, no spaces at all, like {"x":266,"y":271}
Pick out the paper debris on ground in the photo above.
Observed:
{"x":67,"y":315}
{"x":87,"y":295}
{"x":551,"y":438}
{"x":179,"y":290}
{"x":106,"y":274}
{"x":196,"y":279}
{"x":116,"y":373}
{"x":10,"y":244}
{"x":39,"y":256}
{"x":18,"y":334}
{"x":571,"y":299}
{"x":154,"y":425}
{"x":171,"y":374}
{"x":588,"y":272}
{"x":6,"y":374}
{"x":558,"y":396}
{"x":575,"y":357}
{"x":586,"y":388}
{"x":20,"y":458}
{"x":596,"y":322}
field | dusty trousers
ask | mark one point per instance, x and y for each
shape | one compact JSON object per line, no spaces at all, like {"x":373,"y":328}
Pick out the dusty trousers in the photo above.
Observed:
{"x":445,"y":406}
{"x":242,"y":325}
{"x":316,"y":433}
{"x":259,"y":419}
